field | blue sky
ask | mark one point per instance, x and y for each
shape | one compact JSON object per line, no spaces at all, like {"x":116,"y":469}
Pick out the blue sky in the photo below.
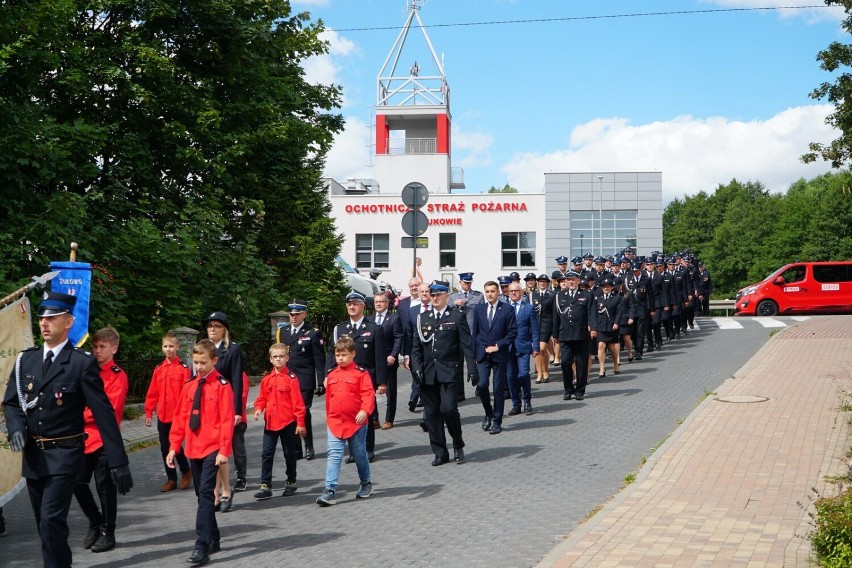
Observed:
{"x":704,"y":98}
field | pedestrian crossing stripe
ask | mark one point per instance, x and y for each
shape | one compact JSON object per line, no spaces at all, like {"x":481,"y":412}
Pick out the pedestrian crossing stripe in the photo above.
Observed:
{"x":727,"y":323}
{"x":770,"y":322}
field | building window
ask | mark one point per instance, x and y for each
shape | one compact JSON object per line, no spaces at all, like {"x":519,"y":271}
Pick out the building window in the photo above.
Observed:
{"x":372,"y":251}
{"x":447,"y":248}
{"x":602,"y":236}
{"x":518,"y":250}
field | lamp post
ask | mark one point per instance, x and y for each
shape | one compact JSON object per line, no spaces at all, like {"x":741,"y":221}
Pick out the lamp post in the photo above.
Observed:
{"x":600,"y":215}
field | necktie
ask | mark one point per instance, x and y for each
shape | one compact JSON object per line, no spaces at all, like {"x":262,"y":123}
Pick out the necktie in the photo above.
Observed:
{"x":45,"y":366}
{"x":424,"y":308}
{"x":465,"y":295}
{"x":379,"y":319}
{"x":515,"y":307}
{"x":438,"y":316}
{"x":195,"y":415}
{"x":490,"y":315}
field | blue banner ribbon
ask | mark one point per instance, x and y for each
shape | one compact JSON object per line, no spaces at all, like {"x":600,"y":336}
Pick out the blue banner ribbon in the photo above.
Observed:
{"x":75,"y":279}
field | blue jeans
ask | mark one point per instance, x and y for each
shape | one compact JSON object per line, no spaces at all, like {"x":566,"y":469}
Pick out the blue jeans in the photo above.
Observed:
{"x":485,"y":368}
{"x":334,"y":451}
{"x":519,"y":379}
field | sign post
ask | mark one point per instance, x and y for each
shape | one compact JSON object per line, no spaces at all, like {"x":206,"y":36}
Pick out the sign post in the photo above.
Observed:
{"x":414,"y":222}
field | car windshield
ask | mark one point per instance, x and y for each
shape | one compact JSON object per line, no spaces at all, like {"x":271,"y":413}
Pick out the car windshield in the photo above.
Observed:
{"x":345,"y":266}
{"x":774,"y":274}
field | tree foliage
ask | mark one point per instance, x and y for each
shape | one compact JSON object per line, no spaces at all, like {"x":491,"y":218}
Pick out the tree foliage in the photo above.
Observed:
{"x":743,"y":232}
{"x":505,"y":189}
{"x":180,"y":144}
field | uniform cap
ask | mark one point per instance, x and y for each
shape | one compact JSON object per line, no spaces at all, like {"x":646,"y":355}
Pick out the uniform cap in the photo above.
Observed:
{"x":355,"y":296}
{"x":543,"y":278}
{"x":588,"y":256}
{"x":56,"y":303}
{"x":577,"y":260}
{"x":561,"y":260}
{"x":298,"y":306}
{"x":515,"y":276}
{"x":466,"y":276}
{"x":504,"y":280}
{"x":606,"y":282}
{"x":438,"y":286}
{"x":637,"y":265}
{"x":530,"y":276}
{"x":571,"y":274}
{"x":217,"y":316}
{"x":600,"y":260}
{"x":557,"y":275}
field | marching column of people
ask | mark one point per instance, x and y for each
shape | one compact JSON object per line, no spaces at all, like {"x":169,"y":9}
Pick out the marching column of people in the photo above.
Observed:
{"x":497,"y":339}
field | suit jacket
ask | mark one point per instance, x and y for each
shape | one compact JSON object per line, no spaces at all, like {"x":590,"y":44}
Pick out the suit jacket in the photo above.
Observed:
{"x":655,"y":290}
{"x":72,"y":383}
{"x":571,"y":315}
{"x":403,"y":308}
{"x":501,"y":332}
{"x":639,"y":288}
{"x":438,"y":352}
{"x":307,"y":354}
{"x":526,"y":321}
{"x":392,"y":335}
{"x":474,"y":297}
{"x":408,"y":331}
{"x":369,"y":349}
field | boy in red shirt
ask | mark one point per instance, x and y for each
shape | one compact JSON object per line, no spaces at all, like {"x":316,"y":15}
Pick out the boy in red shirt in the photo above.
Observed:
{"x":101,"y":535}
{"x":281,"y":401}
{"x":349,"y":401}
{"x":166,"y":383}
{"x":205,"y":419}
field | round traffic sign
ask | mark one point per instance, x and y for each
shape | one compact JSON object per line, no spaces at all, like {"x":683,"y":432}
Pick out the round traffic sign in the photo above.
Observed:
{"x":414,"y":223}
{"x":415,"y":195}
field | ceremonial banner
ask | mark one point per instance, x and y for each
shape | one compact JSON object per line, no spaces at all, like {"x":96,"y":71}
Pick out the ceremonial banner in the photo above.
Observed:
{"x":16,"y":334}
{"x":75,"y":279}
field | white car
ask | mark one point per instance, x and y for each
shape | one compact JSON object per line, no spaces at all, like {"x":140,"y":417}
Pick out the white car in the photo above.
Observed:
{"x":360,"y":283}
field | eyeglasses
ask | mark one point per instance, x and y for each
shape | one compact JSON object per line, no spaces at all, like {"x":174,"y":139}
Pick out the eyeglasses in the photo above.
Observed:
{"x":215,"y":326}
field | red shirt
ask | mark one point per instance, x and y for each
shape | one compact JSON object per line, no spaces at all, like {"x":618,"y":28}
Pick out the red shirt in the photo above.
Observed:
{"x":217,"y":418}
{"x":115,"y":386}
{"x":163,"y":392}
{"x":281,"y":400}
{"x":348,"y":391}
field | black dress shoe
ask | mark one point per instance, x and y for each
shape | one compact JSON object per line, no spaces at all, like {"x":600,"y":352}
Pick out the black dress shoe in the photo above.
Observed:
{"x":528,"y":409}
{"x":349,"y":459}
{"x":106,"y":541}
{"x":423,"y":426}
{"x":579,"y":396}
{"x":458,"y":455}
{"x":412,"y":406}
{"x":199,"y":557}
{"x":309,"y":453}
{"x":515,"y":411}
{"x":441,"y":461}
{"x":215,"y":547}
{"x":486,"y":423}
{"x":567,"y":396}
{"x":495,"y":428}
{"x":639,"y":357}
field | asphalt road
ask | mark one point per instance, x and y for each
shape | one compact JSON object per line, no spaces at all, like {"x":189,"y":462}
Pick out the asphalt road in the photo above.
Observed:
{"x":516,"y":496}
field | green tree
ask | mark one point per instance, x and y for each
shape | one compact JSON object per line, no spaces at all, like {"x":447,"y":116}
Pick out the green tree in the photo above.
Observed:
{"x":180,"y":144}
{"x":505,"y":189}
{"x":837,"y":56}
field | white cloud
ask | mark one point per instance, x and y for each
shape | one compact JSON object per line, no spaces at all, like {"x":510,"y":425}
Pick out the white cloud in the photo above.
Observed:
{"x":810,"y":14}
{"x":694,"y":154}
{"x":325,"y":69}
{"x":351,"y":152}
{"x":471,"y":149}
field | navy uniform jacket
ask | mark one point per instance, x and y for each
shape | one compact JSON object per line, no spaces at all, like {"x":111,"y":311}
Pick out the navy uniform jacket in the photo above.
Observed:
{"x":501,"y":332}
{"x":73,"y":382}
{"x":681,"y":285}
{"x":439,"y":347}
{"x":230,"y":366}
{"x":705,"y":284}
{"x":307,"y":355}
{"x":369,"y":349}
{"x":607,"y":312}
{"x":667,"y":297}
{"x":571,"y":316}
{"x":638,"y":287}
{"x":655,"y":285}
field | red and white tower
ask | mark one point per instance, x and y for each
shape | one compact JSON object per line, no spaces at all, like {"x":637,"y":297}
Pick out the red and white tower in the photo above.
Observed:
{"x":413,"y":118}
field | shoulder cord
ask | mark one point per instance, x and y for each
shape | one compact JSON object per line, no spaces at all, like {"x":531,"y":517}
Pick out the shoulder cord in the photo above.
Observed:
{"x":24,"y":405}
{"x":420,"y":332}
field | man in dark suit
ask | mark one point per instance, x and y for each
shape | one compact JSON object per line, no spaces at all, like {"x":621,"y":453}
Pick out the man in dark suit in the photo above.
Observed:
{"x":391,"y":327}
{"x":45,"y":398}
{"x":441,"y":339}
{"x":493,"y":333}
{"x":307,"y":361}
{"x":636,"y":285}
{"x":403,"y":309}
{"x":571,"y":327}
{"x":420,"y":305}
{"x":526,"y":344}
{"x":369,"y":354}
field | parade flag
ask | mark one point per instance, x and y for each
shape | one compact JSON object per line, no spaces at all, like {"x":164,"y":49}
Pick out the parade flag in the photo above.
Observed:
{"x":75,"y":279}
{"x":16,"y":334}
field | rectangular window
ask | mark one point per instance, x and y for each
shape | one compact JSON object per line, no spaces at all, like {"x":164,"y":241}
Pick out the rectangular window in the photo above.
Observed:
{"x":602,"y":234}
{"x":447,"y":249}
{"x":832,"y":273}
{"x":372,"y":250}
{"x":518,"y":250}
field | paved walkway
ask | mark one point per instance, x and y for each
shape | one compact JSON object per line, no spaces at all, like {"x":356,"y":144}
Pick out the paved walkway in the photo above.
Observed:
{"x":733,"y":485}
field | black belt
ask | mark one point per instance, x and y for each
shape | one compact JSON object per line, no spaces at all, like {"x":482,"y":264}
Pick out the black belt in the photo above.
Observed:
{"x":74,"y":441}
